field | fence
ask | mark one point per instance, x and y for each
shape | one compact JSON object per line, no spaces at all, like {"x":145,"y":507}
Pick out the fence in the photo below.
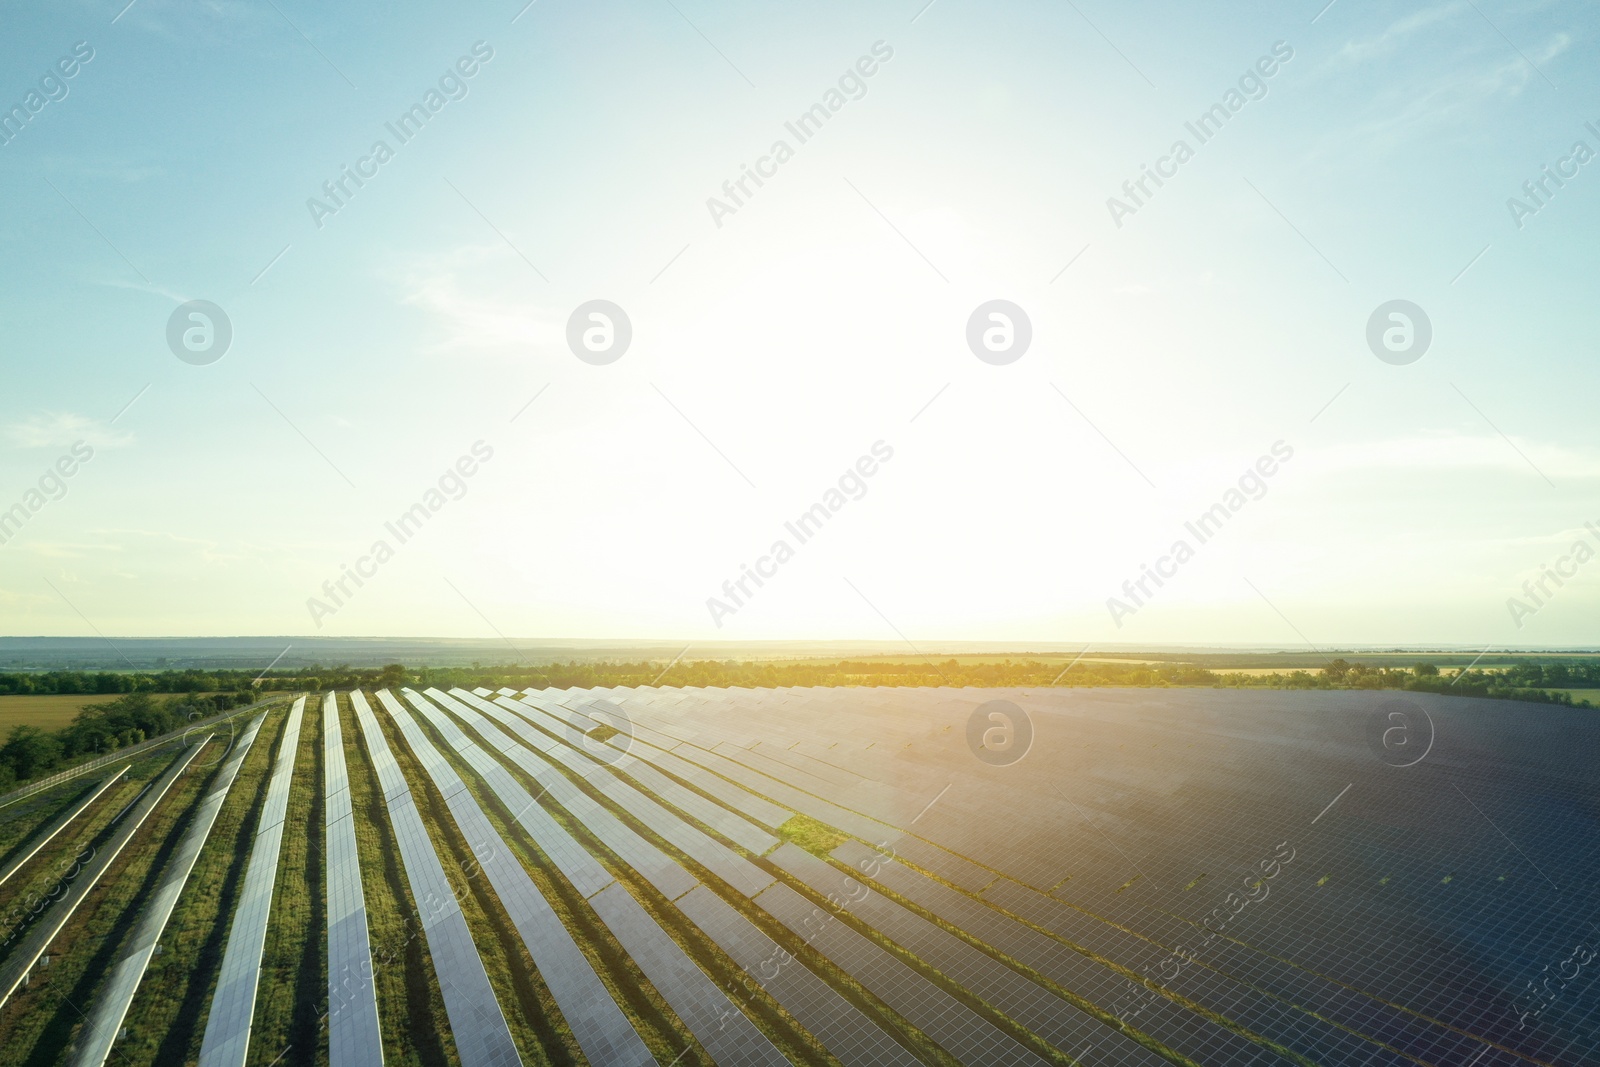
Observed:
{"x":131,"y":751}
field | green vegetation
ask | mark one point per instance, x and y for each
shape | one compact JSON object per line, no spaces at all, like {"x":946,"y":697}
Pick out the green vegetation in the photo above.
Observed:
{"x":46,"y":712}
{"x":112,"y":682}
{"x":603,"y":733}
{"x":98,"y":729}
{"x":173,"y":999}
{"x":22,"y":819}
{"x":294,"y":967}
{"x":628,"y":986}
{"x":41,"y":1023}
{"x":817,"y":838}
{"x":410,"y":1007}
{"x":28,"y":893}
{"x":644,"y":1007}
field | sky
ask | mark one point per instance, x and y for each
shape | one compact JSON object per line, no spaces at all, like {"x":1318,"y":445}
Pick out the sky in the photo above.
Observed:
{"x":1184,"y":338}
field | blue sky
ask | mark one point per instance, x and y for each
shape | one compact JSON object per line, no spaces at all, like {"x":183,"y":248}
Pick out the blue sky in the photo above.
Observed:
{"x":826,"y":314}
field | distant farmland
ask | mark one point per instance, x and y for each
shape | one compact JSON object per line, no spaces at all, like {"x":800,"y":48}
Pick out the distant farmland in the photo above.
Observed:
{"x":45,"y":712}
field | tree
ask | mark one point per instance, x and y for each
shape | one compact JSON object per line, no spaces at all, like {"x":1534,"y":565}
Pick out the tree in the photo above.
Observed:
{"x":30,"y":751}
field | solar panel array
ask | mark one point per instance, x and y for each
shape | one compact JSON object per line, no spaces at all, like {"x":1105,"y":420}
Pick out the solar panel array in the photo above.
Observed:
{"x":59,"y":823}
{"x":477,"y":1024}
{"x":655,"y":865}
{"x":46,"y":926}
{"x":354,"y":1036}
{"x":1035,"y":1007}
{"x":1213,"y":877}
{"x":1144,"y":797}
{"x":693,"y":996}
{"x":691,"y":841}
{"x":99,"y":1032}
{"x":962,"y":1032}
{"x":597,"y":1023}
{"x":731,"y":1038}
{"x":841,"y":1027}
{"x":233,"y":1005}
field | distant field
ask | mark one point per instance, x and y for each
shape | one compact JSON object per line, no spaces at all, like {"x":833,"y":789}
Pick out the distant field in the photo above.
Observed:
{"x":976,"y":658}
{"x":54,"y":712}
{"x":47,"y":713}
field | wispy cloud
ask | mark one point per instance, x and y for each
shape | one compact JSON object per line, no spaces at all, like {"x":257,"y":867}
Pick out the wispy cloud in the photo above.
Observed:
{"x":1356,"y":52}
{"x":475,"y":309}
{"x":59,"y":429}
{"x":1437,"y":67}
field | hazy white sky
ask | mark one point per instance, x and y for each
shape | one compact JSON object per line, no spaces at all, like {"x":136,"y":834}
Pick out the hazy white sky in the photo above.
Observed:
{"x":374,"y":345}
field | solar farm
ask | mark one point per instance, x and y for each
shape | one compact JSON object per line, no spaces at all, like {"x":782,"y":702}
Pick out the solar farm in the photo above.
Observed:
{"x":851,"y":876}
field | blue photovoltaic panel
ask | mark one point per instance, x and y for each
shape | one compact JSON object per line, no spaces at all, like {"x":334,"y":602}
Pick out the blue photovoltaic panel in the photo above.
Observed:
{"x":48,"y":834}
{"x":731,"y":1038}
{"x":23,"y":958}
{"x":477,"y":1024}
{"x":691,"y":841}
{"x":93,"y":1043}
{"x":855,"y":1040}
{"x":354,"y":1039}
{"x":656,"y":866}
{"x":1052,"y":1018}
{"x":597,"y":1023}
{"x":961,"y":1031}
{"x":233,"y":1005}
{"x":580,"y":868}
{"x":624,"y":755}
{"x":852,"y":1038}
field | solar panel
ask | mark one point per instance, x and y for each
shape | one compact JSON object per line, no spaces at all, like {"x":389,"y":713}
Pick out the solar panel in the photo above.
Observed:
{"x":1052,"y":1018}
{"x":597,"y":1023}
{"x":227,"y":1036}
{"x":23,"y":958}
{"x":354,"y":1039}
{"x":738,"y":830}
{"x":961,"y":1031}
{"x":477,"y":1024}
{"x":731,"y":1038}
{"x":852,"y":1038}
{"x":835,"y":1022}
{"x":734,"y":796}
{"x":48,"y":834}
{"x":93,"y":1042}
{"x":690,"y":993}
{"x":783,"y":793}
{"x":571,"y":859}
{"x":1180,"y":1029}
{"x":653,"y":864}
{"x":391,"y":783}
{"x":714,"y":856}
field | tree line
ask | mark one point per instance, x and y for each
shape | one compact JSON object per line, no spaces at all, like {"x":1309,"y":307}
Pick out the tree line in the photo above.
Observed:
{"x":136,"y":714}
{"x":98,"y":729}
{"x":68,"y":683}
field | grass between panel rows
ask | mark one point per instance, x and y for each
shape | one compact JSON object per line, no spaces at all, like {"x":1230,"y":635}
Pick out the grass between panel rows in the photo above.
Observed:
{"x":410,"y":1007}
{"x":39,"y":1024}
{"x":169,"y":1011}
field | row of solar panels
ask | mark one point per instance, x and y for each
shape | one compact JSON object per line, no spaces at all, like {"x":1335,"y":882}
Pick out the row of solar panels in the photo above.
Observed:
{"x":57,"y":908}
{"x":964,"y":1032}
{"x":1103,"y":964}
